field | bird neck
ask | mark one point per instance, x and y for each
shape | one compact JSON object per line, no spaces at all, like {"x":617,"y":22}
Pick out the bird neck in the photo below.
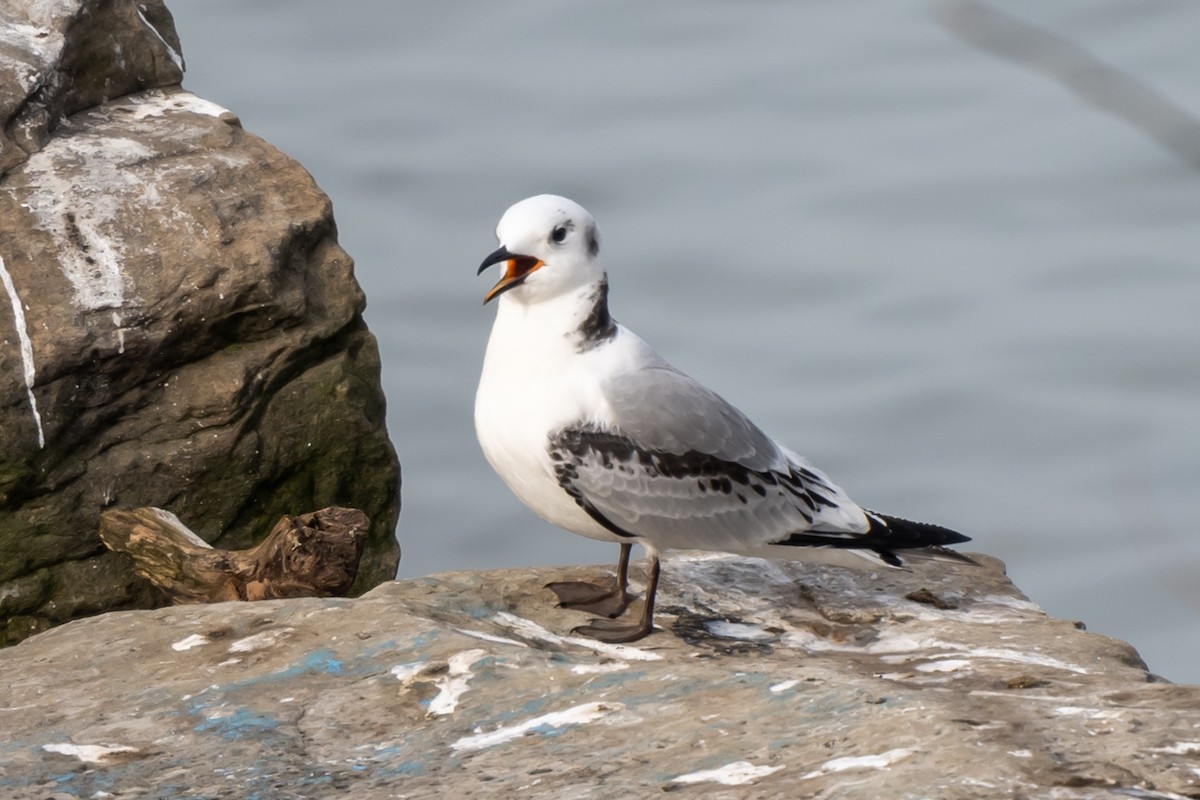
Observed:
{"x":579,"y":317}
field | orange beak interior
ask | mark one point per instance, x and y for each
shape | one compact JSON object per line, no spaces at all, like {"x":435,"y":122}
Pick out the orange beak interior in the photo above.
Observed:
{"x":516,"y":270}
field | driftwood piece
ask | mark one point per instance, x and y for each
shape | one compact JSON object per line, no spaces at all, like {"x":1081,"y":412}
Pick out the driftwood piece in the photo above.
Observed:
{"x":311,"y":555}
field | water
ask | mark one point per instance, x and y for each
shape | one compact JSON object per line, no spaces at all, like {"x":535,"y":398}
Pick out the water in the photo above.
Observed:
{"x":967,"y":293}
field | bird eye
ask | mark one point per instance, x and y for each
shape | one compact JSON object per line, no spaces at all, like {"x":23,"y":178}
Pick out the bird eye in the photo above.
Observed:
{"x":558,"y":234}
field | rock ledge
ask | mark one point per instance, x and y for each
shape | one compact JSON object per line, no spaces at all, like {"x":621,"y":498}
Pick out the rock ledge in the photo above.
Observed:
{"x":767,"y":680}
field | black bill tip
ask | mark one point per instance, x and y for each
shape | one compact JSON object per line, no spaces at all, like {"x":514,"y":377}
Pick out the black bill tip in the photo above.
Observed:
{"x":501,"y":254}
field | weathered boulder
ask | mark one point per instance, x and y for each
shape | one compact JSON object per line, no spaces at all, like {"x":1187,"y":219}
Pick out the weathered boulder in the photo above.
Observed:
{"x":178,"y":325}
{"x":767,"y":680}
{"x":57,"y":58}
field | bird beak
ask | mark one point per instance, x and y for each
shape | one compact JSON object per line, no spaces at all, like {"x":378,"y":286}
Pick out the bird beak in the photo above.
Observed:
{"x":516,"y":270}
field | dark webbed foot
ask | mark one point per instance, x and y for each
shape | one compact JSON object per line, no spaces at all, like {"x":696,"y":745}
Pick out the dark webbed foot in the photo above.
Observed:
{"x":609,"y":601}
{"x":613,"y":631}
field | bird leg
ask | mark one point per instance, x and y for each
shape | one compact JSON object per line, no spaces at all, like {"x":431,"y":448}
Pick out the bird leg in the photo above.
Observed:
{"x":614,"y":632}
{"x":610,"y":601}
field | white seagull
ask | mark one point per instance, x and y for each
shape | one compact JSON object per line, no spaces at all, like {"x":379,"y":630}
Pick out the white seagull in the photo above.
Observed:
{"x":599,"y":435}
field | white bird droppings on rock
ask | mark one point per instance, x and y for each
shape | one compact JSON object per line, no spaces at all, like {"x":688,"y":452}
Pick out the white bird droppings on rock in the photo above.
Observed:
{"x":26,"y":347}
{"x":576,"y":715}
{"x":452,"y":687}
{"x":599,"y":669}
{"x":739,"y":773}
{"x":89,"y":753}
{"x":487,"y":637}
{"x":195,"y":640}
{"x":738,"y":630}
{"x":525,"y":627}
{"x":880,"y":761}
{"x":261,"y":641}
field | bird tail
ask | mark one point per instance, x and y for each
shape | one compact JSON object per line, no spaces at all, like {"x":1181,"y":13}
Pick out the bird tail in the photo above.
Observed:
{"x":918,"y":540}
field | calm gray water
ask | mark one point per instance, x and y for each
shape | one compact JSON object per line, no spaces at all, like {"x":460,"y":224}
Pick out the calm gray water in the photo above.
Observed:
{"x":960,"y":287}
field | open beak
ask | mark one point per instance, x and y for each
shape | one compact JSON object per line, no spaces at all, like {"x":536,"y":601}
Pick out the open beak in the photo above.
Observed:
{"x":516,"y":270}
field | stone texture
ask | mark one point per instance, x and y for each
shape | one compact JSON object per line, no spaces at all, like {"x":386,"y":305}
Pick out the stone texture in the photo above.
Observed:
{"x":178,"y":325}
{"x":62,"y":56}
{"x":767,"y":680}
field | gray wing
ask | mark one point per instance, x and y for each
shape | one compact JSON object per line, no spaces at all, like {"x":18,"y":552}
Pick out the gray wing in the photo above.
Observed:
{"x":682,"y":468}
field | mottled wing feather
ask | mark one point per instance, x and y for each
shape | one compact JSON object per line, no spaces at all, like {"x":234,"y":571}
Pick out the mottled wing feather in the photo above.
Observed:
{"x":683,"y":468}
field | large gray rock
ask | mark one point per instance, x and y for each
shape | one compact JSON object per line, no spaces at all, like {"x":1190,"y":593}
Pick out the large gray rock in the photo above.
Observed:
{"x":178,"y":325}
{"x":768,"y":680}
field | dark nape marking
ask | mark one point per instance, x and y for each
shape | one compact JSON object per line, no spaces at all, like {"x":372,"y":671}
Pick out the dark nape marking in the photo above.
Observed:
{"x":598,"y":326}
{"x":593,"y":242}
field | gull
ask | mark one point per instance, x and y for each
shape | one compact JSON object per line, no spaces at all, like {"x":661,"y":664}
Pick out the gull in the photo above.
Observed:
{"x":599,"y":435}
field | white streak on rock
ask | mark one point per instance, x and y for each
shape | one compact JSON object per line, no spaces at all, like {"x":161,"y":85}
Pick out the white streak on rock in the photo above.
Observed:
{"x":452,"y":687}
{"x":783,"y":687}
{"x":944,"y":665}
{"x":880,"y":761}
{"x":738,"y":773}
{"x":116,"y":318}
{"x":532,"y":629}
{"x":1001,"y":654}
{"x":576,"y":715}
{"x":76,"y":208}
{"x":895,"y":647}
{"x":1024,"y":607}
{"x":1042,"y":698}
{"x":1090,"y":713}
{"x":406,"y":672}
{"x":157,"y":103}
{"x":738,"y":630}
{"x":195,"y":640}
{"x":89,"y":753}
{"x":175,"y":55}
{"x":487,"y":637}
{"x":26,"y":53}
{"x":260,"y":641}
{"x":599,"y":669}
{"x":26,"y":348}
{"x":1178,"y":749}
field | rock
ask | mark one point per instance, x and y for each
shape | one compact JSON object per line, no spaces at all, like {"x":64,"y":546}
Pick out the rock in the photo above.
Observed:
{"x":767,"y":680}
{"x":59,"y":58}
{"x":180,"y":327}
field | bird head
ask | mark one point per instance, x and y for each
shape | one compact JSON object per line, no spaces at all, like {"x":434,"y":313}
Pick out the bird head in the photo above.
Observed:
{"x":549,"y":245}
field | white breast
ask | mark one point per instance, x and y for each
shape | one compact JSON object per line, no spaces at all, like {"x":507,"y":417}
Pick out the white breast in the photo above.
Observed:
{"x":532,"y":385}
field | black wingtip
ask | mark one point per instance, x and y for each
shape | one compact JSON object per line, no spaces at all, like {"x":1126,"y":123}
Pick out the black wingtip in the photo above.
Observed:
{"x":903,"y":534}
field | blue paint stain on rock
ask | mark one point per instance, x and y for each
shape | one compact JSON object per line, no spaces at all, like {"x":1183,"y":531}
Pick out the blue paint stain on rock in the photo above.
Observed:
{"x":322,"y":661}
{"x":241,"y":724}
{"x":424,"y":639}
